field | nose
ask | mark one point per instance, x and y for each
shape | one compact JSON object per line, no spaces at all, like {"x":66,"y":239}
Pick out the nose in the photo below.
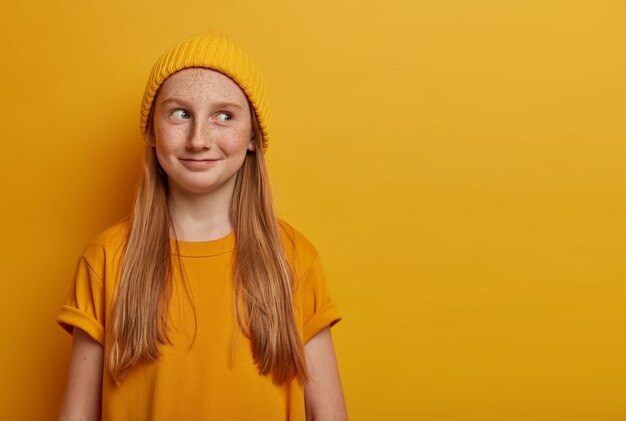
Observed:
{"x":201,"y":136}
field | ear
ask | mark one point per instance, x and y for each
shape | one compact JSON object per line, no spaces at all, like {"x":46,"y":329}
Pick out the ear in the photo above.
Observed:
{"x":251,"y":145}
{"x":150,"y":137}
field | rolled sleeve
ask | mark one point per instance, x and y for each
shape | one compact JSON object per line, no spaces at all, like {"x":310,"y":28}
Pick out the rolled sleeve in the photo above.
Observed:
{"x":319,"y":310}
{"x":84,"y":307}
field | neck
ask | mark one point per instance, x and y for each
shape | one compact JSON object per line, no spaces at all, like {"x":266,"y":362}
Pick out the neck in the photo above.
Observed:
{"x":200,"y":217}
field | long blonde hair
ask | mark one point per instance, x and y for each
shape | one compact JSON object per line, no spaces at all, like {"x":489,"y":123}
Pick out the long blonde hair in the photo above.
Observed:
{"x":262,"y":276}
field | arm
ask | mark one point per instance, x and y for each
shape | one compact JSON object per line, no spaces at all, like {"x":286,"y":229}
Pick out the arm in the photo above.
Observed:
{"x":323,"y":395}
{"x":84,"y":386}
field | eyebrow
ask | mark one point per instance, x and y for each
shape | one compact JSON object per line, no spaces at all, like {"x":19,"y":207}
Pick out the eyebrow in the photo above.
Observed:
{"x":217,"y":104}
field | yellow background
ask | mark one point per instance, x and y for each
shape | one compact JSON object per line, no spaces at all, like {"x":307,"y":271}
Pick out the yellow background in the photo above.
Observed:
{"x":459,"y":165}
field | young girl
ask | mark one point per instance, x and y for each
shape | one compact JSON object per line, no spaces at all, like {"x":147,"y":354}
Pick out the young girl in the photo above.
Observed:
{"x":202,"y":304}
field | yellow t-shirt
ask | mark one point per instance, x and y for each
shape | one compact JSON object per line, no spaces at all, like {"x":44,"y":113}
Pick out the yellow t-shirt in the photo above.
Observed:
{"x":216,"y":378}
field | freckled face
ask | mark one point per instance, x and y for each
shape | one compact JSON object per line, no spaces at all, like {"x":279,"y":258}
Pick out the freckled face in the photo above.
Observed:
{"x":202,"y":130}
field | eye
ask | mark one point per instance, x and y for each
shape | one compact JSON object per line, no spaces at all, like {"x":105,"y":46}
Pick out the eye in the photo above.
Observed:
{"x":224,"y":116}
{"x":180,"y":113}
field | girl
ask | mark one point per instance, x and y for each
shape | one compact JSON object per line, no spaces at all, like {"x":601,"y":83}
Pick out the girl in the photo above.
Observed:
{"x":202,"y":305}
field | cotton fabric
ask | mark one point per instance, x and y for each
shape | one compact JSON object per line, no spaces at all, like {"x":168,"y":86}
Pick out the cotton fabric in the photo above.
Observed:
{"x":215,"y":378}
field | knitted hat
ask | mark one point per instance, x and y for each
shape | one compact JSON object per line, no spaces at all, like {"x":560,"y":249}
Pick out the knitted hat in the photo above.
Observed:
{"x":211,"y":50}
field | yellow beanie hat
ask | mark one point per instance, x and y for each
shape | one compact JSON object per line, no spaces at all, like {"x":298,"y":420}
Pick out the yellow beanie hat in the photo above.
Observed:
{"x":215,"y":51}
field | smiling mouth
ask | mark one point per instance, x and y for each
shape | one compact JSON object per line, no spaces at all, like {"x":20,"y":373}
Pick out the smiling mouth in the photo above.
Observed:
{"x":198,"y":164}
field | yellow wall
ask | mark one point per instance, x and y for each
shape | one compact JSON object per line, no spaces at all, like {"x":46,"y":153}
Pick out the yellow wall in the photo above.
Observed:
{"x":459,"y":164}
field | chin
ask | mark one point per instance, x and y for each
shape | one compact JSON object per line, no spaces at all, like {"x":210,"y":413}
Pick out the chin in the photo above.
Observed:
{"x":199,"y":188}
{"x":200,"y":185}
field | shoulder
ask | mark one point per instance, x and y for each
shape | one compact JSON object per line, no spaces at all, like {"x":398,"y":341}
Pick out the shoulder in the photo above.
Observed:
{"x":299,"y":251}
{"x":112,"y":236}
{"x":107,"y":243}
{"x":294,"y":239}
